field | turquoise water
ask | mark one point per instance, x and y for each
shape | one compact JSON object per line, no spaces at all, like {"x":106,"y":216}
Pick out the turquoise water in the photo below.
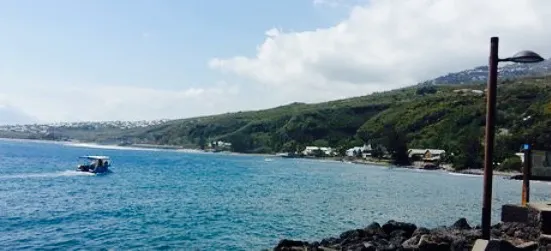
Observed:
{"x":173,"y":200}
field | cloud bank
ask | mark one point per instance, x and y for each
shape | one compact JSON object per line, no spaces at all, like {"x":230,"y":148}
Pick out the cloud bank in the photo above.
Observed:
{"x":388,"y":44}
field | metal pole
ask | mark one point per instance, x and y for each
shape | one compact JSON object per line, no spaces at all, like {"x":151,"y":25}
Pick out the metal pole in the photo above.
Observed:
{"x":527,"y":172}
{"x":489,"y":143}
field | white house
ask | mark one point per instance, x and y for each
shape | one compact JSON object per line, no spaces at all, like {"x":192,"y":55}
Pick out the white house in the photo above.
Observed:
{"x":365,"y":150}
{"x":310,"y":150}
{"x":220,"y":144}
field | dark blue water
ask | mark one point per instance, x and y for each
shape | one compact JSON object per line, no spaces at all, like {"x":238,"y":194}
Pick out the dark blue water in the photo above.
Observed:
{"x":173,"y":200}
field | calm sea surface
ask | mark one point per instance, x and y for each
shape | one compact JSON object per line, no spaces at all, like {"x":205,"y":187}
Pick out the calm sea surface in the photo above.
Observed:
{"x":186,"y":201}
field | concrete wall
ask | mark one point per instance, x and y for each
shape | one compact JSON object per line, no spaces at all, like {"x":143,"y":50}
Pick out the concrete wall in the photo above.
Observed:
{"x":541,"y":162}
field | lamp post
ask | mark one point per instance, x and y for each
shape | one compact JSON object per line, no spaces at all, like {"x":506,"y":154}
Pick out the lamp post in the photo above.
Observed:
{"x":520,"y":57}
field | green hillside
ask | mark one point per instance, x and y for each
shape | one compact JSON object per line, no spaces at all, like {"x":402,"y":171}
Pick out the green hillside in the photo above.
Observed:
{"x":426,"y":116}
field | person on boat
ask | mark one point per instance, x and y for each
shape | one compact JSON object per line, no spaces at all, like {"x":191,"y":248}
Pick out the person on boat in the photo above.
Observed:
{"x":99,"y":165}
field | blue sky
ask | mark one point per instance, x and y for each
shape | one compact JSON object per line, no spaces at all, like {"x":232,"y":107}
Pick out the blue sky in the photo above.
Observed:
{"x":63,"y":60}
{"x":165,"y":44}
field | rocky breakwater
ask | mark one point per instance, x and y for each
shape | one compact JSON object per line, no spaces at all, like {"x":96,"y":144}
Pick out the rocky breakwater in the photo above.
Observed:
{"x":395,"y":235}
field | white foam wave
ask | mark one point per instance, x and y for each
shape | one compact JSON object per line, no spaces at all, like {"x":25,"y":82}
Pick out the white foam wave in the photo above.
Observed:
{"x":464,"y":174}
{"x":45,"y":175}
{"x":109,"y":147}
{"x":115,"y":147}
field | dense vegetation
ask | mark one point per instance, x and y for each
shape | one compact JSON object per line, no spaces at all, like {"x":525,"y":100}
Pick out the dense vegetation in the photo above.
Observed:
{"x":417,"y":117}
{"x":437,"y":117}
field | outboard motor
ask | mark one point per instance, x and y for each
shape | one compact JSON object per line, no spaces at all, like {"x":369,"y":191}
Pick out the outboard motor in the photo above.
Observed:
{"x":83,"y":168}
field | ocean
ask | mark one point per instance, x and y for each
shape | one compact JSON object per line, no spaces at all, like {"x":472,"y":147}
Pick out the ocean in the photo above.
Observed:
{"x":170,"y":200}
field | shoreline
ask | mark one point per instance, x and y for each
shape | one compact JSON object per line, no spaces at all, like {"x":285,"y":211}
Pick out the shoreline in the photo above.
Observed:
{"x":171,"y":148}
{"x":142,"y":147}
{"x":480,"y":172}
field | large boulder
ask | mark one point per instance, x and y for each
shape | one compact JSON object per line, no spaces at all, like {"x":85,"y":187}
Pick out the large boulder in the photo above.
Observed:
{"x":392,"y":226}
{"x":286,"y":245}
{"x":461,"y":224}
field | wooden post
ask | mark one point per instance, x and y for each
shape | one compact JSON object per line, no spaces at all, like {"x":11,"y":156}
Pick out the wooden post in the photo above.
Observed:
{"x":489,"y":140}
{"x":526,"y":174}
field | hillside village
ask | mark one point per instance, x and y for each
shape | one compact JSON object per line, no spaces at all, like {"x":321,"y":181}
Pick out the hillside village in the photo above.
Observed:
{"x":420,"y":158}
{"x":47,"y":128}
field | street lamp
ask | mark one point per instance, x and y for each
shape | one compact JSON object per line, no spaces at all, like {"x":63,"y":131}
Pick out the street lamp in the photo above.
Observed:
{"x":520,"y":57}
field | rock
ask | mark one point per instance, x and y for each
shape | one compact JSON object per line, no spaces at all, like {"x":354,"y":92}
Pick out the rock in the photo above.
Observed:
{"x":368,"y":246}
{"x":327,"y":249}
{"x":401,"y":236}
{"x":421,"y":231}
{"x":373,"y":226}
{"x":461,"y":224}
{"x":328,"y":241}
{"x":379,"y":242}
{"x":412,"y":242}
{"x":374,"y":229}
{"x":398,"y":236}
{"x":392,"y":225}
{"x":289,"y":245}
{"x":426,"y":244}
{"x":353,"y":235}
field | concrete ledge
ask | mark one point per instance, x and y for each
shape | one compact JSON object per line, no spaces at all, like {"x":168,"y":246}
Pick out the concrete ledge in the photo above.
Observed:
{"x":534,"y":214}
{"x":501,"y":245}
{"x":514,"y":213}
{"x":540,"y":206}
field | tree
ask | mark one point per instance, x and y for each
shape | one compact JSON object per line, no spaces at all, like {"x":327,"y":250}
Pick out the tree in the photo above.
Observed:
{"x":470,"y":150}
{"x":290,"y":146}
{"x":503,"y":148}
{"x":426,"y":90}
{"x":241,"y":142}
{"x":202,"y":142}
{"x":377,"y":152}
{"x":396,"y":144}
{"x":511,"y":164}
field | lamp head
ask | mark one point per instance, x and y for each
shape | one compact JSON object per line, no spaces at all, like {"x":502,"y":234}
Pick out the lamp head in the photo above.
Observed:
{"x":525,"y":57}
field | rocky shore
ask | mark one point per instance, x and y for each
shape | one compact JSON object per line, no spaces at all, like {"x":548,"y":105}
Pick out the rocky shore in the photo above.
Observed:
{"x":404,"y":236}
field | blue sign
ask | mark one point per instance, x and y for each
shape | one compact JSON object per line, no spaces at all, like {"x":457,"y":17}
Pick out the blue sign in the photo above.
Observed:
{"x":526,"y":146}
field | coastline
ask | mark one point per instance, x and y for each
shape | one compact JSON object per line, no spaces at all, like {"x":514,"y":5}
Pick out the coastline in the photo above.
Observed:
{"x":481,"y":172}
{"x":142,"y":147}
{"x":370,"y":162}
{"x":153,"y":147}
{"x":33,"y":140}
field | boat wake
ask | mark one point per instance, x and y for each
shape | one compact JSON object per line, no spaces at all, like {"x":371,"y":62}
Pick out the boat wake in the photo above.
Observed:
{"x":109,"y":147}
{"x":46,"y":175}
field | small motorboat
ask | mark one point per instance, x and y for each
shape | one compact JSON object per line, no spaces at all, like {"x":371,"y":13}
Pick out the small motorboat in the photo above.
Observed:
{"x":97,"y":164}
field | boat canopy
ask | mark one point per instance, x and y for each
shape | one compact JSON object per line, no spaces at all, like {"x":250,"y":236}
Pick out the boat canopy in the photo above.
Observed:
{"x":94,"y":157}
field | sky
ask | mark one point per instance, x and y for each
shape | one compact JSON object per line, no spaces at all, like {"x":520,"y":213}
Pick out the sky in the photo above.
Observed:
{"x":94,"y":60}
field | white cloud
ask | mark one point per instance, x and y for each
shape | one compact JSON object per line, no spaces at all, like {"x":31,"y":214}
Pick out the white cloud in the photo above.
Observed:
{"x":122,"y":102}
{"x":388,"y":44}
{"x":381,"y":45}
